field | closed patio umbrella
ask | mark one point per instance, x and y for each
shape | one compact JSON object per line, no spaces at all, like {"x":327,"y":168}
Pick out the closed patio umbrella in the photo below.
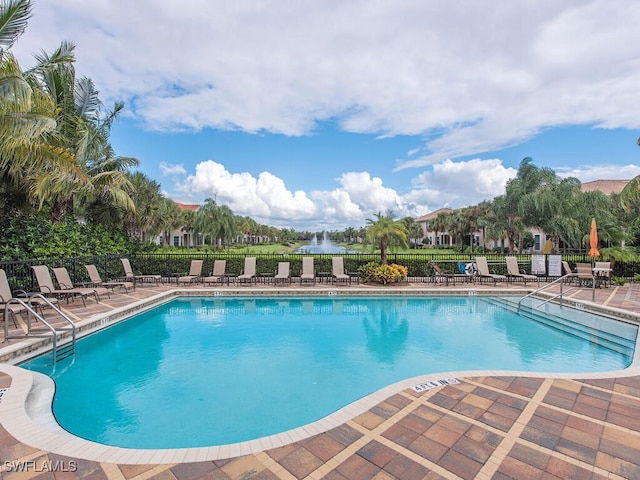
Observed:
{"x":593,"y":252}
{"x":593,"y":240}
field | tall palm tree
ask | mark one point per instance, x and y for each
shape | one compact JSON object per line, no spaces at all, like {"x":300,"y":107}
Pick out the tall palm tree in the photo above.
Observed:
{"x":27,"y":113}
{"x":167,"y":219}
{"x":140,"y":223}
{"x":386,"y":231}
{"x":83,"y":128}
{"x":216,"y":221}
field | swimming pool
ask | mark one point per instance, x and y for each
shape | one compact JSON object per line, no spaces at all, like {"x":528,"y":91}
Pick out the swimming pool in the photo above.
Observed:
{"x":217,"y":370}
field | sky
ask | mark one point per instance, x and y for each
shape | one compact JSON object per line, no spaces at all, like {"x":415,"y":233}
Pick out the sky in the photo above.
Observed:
{"x":319,"y":115}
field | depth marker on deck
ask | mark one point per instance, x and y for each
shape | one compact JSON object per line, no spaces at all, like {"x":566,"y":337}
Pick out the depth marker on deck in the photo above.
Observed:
{"x":423,"y":387}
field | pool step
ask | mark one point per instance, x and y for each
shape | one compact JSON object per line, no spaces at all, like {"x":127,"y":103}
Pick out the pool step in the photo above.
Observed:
{"x":609,"y":333}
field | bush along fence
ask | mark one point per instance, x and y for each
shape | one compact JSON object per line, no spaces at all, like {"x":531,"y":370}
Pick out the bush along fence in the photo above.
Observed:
{"x":169,"y":265}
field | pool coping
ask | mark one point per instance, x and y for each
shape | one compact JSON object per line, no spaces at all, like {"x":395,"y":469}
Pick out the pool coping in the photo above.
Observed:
{"x":25,"y":410}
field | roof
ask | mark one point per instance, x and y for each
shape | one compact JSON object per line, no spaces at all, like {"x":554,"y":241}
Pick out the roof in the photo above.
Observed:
{"x":186,"y":206}
{"x":605,"y":186}
{"x":432,"y":215}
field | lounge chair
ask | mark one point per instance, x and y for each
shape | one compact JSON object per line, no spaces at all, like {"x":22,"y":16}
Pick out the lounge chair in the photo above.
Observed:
{"x":584,"y":273}
{"x":96,"y":280}
{"x":138,"y":276}
{"x":307,"y":274}
{"x":195,"y":273}
{"x":483,"y":271}
{"x":218,"y":274}
{"x":249,"y":272}
{"x":440,"y":275}
{"x":283,"y":275}
{"x":337,"y":270}
{"x":45,"y":285}
{"x":7,"y":303}
{"x":513,"y":271}
{"x":571,"y":275}
{"x":65,"y":283}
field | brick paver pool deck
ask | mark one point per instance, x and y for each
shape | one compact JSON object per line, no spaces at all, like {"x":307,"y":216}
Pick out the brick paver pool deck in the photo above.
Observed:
{"x":485,"y":427}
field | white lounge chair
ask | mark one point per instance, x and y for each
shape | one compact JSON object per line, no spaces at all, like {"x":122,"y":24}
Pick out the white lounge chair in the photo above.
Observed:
{"x":283,"y":275}
{"x":337,"y":270}
{"x":219,"y":272}
{"x":483,"y":271}
{"x":249,"y":272}
{"x":514,"y":271}
{"x":96,"y":280}
{"x":138,"y":276}
{"x":308,"y":273}
{"x":195,"y":273}
{"x":65,"y":283}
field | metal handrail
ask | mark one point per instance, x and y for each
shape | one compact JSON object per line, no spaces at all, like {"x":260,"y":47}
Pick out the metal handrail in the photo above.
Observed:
{"x":32,"y":311}
{"x":548,"y":285}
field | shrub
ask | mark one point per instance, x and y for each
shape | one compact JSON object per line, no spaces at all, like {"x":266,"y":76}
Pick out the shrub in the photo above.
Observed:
{"x":618,"y":280}
{"x":374,"y":272}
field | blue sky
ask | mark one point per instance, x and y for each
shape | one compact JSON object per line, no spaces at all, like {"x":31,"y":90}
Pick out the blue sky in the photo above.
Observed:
{"x":317,"y":115}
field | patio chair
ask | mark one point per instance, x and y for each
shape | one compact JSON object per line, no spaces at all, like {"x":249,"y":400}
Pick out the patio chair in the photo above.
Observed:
{"x":96,"y":280}
{"x":308,"y":273}
{"x":602,"y":272}
{"x":45,"y":285}
{"x":571,"y":275}
{"x":218,"y":274}
{"x":248,"y":274}
{"x":483,"y":271}
{"x":195,"y":273}
{"x":584,"y":274}
{"x":283,"y":274}
{"x":138,"y":276}
{"x":65,"y":283}
{"x":8,"y":304}
{"x":337,"y":270}
{"x":440,"y":275}
{"x":514,"y":271}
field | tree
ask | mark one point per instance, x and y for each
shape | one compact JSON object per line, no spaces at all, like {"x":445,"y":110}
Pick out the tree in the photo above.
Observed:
{"x":141,"y":223}
{"x":386,"y":231}
{"x":167,"y":218}
{"x":217,"y":222}
{"x":27,"y":114}
{"x":82,"y":129}
{"x":439,"y":224}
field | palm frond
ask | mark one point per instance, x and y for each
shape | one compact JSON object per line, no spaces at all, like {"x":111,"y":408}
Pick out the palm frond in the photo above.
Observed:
{"x":14,"y":16}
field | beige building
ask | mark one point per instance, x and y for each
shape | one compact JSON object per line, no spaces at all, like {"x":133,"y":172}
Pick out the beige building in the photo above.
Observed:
{"x":434,"y":239}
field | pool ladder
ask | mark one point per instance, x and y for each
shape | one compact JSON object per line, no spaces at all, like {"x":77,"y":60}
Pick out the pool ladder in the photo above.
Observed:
{"x":59,"y":351}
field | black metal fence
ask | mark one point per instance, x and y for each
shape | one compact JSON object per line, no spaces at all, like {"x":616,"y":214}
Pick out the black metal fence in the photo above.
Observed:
{"x":172,"y":264}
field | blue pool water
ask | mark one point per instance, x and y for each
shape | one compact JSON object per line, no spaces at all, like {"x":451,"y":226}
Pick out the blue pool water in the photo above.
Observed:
{"x":216,"y":370}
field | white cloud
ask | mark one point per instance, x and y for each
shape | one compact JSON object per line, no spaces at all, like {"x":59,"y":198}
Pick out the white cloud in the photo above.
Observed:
{"x":357,"y":197}
{"x":172,"y":170}
{"x":589,"y":173}
{"x":471,"y":77}
{"x":460,"y":184}
{"x":262,"y":197}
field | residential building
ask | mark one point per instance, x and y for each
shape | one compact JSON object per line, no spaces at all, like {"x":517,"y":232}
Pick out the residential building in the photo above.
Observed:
{"x":434,"y":239}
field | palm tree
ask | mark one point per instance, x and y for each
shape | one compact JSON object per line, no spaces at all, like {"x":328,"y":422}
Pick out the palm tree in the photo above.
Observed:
{"x":167,"y":219}
{"x":83,"y":128}
{"x":438,"y":225}
{"x":27,"y":113}
{"x":141,"y":222}
{"x":386,"y":231}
